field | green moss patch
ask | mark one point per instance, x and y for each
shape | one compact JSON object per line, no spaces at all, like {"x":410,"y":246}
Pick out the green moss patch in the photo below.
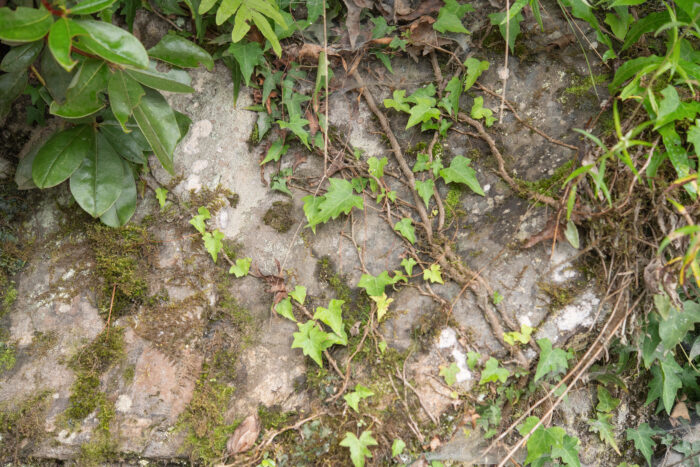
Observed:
{"x":279,"y":216}
{"x":23,"y":422}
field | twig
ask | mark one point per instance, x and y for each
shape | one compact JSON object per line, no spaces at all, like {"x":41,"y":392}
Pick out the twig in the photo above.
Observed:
{"x":111,"y":303}
{"x":505,"y":65}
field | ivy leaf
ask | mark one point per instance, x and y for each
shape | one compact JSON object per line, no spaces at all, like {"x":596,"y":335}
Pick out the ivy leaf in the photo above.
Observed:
{"x":212,"y":242}
{"x":408,"y":264}
{"x":248,"y":56}
{"x":475,"y":68}
{"x":296,"y":124}
{"x":359,"y":447}
{"x":554,"y":361}
{"x":522,"y":337}
{"x":460,"y":172}
{"x":338,"y":200}
{"x":479,"y":111}
{"x":642,"y":440}
{"x":311,"y":340}
{"x":161,"y":194}
{"x":449,"y":373}
{"x":567,"y":451}
{"x":422,"y":112}
{"x":383,"y":303}
{"x":374,"y":286}
{"x":425,"y":190}
{"x":405,"y":228}
{"x":451,"y":101}
{"x":381,"y":28}
{"x":198,"y":220}
{"x":299,"y":294}
{"x":354,"y":398}
{"x":602,"y":426}
{"x":277,"y":150}
{"x":279,"y":181}
{"x":284,"y":308}
{"x":241,"y":268}
{"x":376,"y":166}
{"x":606,"y":402}
{"x":472,"y":359}
{"x":433,"y":274}
{"x":671,"y":381}
{"x":398,"y":102}
{"x":492,"y":372}
{"x":332,"y":316}
{"x":450,"y":17}
{"x":397,"y":447}
{"x":676,"y":326}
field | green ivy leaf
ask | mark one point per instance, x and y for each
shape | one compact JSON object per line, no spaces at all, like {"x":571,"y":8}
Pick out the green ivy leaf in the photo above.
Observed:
{"x":359,"y":447}
{"x":479,"y":111}
{"x":397,"y":447}
{"x":24,"y":24}
{"x":124,"y":207}
{"x":450,"y":17}
{"x":449,"y":373}
{"x":460,"y":172}
{"x":178,"y":51}
{"x":603,"y":427}
{"x":408,"y":264}
{"x":338,"y":200}
{"x":332,"y":316}
{"x":124,"y":94}
{"x":157,"y":122}
{"x":642,"y":440}
{"x":98,"y":182}
{"x":433,"y":274}
{"x":198,"y":220}
{"x":492,"y":372}
{"x":161,"y":195}
{"x":398,"y":102}
{"x":606,"y":402}
{"x":248,"y":55}
{"x":241,"y":268}
{"x":475,"y":68}
{"x":298,"y":294}
{"x":374,"y":286}
{"x":670,"y":371}
{"x":284,"y":308}
{"x":454,"y":91}
{"x":376,"y":166}
{"x":276,"y":151}
{"x":381,"y":27}
{"x":353,"y":398}
{"x":20,"y":57}
{"x":383,"y":303}
{"x":512,"y":25}
{"x":61,"y":155}
{"x":111,"y":43}
{"x":552,"y":361}
{"x":212,"y":242}
{"x":311,"y":340}
{"x":296,"y":124}
{"x":405,"y":228}
{"x":422,"y":112}
{"x":472,"y":359}
{"x":425,"y":190}
{"x":522,"y":337}
{"x":678,"y":324}
{"x":567,"y":451}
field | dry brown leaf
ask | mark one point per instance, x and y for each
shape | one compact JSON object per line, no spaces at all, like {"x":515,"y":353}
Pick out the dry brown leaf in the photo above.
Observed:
{"x":352,"y":21}
{"x":435,"y":443}
{"x":545,"y":234}
{"x":402,"y":7}
{"x":679,"y":411}
{"x":313,"y":122}
{"x":423,"y":37}
{"x":245,"y":435}
{"x":426,"y":7}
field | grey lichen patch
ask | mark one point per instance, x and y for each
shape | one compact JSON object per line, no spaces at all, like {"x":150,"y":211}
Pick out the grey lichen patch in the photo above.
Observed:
{"x":279,"y":216}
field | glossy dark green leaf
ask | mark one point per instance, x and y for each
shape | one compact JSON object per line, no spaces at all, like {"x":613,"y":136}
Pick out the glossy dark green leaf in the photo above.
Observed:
{"x":172,"y":81}
{"x":183,"y":123}
{"x":124,"y":94}
{"x":124,"y":207}
{"x":128,"y":145}
{"x":24,"y":24}
{"x":97,"y":183}
{"x":158,"y":124}
{"x":61,"y":155}
{"x":23,"y":174}
{"x":111,"y":43}
{"x":57,"y":79}
{"x":19,"y":58}
{"x":87,"y":7}
{"x":83,"y":95}
{"x":60,"y":43}
{"x":11,"y":86}
{"x":180,"y":52}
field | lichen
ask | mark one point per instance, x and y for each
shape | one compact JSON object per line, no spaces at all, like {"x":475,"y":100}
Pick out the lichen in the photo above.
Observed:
{"x":279,"y":216}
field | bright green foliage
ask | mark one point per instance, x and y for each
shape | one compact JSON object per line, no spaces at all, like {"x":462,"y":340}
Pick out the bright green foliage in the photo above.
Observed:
{"x":472,"y":359}
{"x":277,"y":150}
{"x":433,"y":274}
{"x":248,"y":55}
{"x":453,"y":91}
{"x":606,"y":402}
{"x":376,"y":166}
{"x":665,"y":383}
{"x":161,"y":196}
{"x":552,"y":361}
{"x":571,"y":234}
{"x":241,"y":268}
{"x":479,"y":111}
{"x":338,"y":200}
{"x":460,"y":172}
{"x":311,"y":340}
{"x":354,"y":398}
{"x":450,"y":17}
{"x":359,"y":447}
{"x":399,"y":101}
{"x":397,"y":447}
{"x":383,"y":303}
{"x":425,"y":190}
{"x":178,"y":51}
{"x":492,"y":372}
{"x":603,"y":427}
{"x":332,"y":316}
{"x":212,"y":243}
{"x":522,"y":337}
{"x":408,"y":264}
{"x":284,"y":308}
{"x":374,"y":285}
{"x":509,"y":22}
{"x":547,"y":444}
{"x":299,"y":294}
{"x":677,"y":324}
{"x":198,"y":221}
{"x":449,"y":372}
{"x":475,"y":68}
{"x":405,"y":228}
{"x":497,"y":298}
{"x":642,"y":440}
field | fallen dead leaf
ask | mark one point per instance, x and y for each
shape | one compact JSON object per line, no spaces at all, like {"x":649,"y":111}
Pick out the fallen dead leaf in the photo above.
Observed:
{"x":679,"y":411}
{"x":426,"y":7}
{"x":423,"y":37}
{"x":435,"y":443}
{"x":245,"y":435}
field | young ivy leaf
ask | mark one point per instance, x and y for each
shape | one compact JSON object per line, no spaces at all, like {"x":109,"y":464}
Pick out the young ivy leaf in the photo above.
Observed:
{"x":241,"y":268}
{"x":422,"y":112}
{"x":405,"y":228}
{"x":479,"y":111}
{"x":359,"y":447}
{"x":450,"y":17}
{"x":332,"y":316}
{"x":296,"y":124}
{"x":602,"y":426}
{"x":552,"y":361}
{"x":398,"y":102}
{"x":460,"y":172}
{"x":449,"y":373}
{"x":311,"y":340}
{"x":472,"y":359}
{"x":606,"y":402}
{"x":374,"y":286}
{"x":161,"y":194}
{"x":397,"y":447}
{"x":451,"y":101}
{"x":642,"y":440}
{"x":338,"y":200}
{"x":492,"y":372}
{"x":383,"y":303}
{"x":277,"y":150}
{"x":354,"y":398}
{"x":425,"y":190}
{"x":522,"y":337}
{"x":376,"y":166}
{"x":212,"y":242}
{"x":198,"y":220}
{"x":299,"y":294}
{"x":284,"y":308}
{"x":433,"y":274}
{"x":475,"y":68}
{"x":408,"y":264}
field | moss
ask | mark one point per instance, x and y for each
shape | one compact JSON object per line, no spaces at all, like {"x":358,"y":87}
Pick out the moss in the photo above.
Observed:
{"x":43,"y":342}
{"x":128,"y":374}
{"x":8,"y":298}
{"x":102,"y":447}
{"x":213,"y":200}
{"x":560,"y":295}
{"x":453,"y":203}
{"x":582,"y":84}
{"x":551,"y":185}
{"x":8,"y":356}
{"x":22,"y":422}
{"x":273,"y":417}
{"x":279,"y":216}
{"x":231,"y":248}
